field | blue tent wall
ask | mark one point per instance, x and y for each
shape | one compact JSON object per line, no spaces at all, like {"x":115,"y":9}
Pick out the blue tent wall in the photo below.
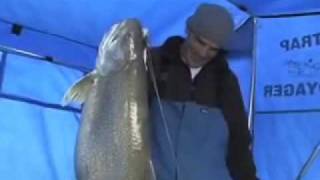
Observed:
{"x":284,"y":143}
{"x":83,"y":24}
{"x":276,"y":7}
{"x":37,"y":134}
{"x":287,"y":96}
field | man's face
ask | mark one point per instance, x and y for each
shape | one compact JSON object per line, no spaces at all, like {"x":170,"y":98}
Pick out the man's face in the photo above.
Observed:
{"x":197,"y":51}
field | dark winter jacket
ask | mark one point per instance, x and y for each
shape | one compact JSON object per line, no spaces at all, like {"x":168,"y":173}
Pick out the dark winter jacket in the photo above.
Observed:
{"x":214,"y":86}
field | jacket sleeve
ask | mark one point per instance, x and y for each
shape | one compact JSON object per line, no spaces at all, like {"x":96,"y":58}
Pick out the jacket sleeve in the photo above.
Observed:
{"x":239,"y":157}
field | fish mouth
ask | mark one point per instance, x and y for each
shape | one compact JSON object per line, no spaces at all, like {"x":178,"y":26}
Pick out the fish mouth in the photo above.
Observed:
{"x":134,"y":35}
{"x":128,"y":27}
{"x":123,"y":45}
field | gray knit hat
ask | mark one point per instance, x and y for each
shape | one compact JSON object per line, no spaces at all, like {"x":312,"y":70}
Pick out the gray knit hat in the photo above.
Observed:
{"x":212,"y":22}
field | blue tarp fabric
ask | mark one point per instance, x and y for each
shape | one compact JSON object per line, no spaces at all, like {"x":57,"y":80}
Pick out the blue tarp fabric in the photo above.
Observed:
{"x":84,"y":23}
{"x":287,"y":96}
{"x":37,"y":134}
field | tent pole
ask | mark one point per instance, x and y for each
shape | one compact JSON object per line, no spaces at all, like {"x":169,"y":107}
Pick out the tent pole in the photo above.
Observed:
{"x":251,"y":114}
{"x":307,"y":166}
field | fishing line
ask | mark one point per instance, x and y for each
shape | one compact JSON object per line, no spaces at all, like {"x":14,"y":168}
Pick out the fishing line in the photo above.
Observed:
{"x":164,"y":120}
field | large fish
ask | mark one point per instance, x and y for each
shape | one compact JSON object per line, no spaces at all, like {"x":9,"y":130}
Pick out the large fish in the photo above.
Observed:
{"x":113,"y":138}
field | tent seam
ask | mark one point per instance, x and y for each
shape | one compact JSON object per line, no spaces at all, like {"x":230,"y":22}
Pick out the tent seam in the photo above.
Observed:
{"x":2,"y":66}
{"x":39,"y":103}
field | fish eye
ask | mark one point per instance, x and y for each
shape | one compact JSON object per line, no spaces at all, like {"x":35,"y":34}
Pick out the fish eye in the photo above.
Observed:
{"x":114,"y":38}
{"x":129,"y":35}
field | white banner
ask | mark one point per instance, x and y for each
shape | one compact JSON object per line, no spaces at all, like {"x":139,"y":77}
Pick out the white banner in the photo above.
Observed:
{"x":288,"y":63}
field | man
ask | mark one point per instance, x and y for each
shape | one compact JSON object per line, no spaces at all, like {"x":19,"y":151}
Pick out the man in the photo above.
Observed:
{"x":199,"y":127}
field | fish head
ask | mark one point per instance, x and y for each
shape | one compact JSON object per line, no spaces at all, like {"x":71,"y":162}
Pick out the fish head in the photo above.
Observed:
{"x":124,"y":43}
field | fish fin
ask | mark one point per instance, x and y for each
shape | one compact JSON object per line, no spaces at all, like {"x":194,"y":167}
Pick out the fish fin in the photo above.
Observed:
{"x":79,"y":91}
{"x":145,"y":57}
{"x":146,"y":52}
{"x":145,"y":33}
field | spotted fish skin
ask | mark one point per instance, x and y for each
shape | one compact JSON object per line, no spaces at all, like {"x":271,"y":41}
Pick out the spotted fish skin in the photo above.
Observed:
{"x":113,"y":139}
